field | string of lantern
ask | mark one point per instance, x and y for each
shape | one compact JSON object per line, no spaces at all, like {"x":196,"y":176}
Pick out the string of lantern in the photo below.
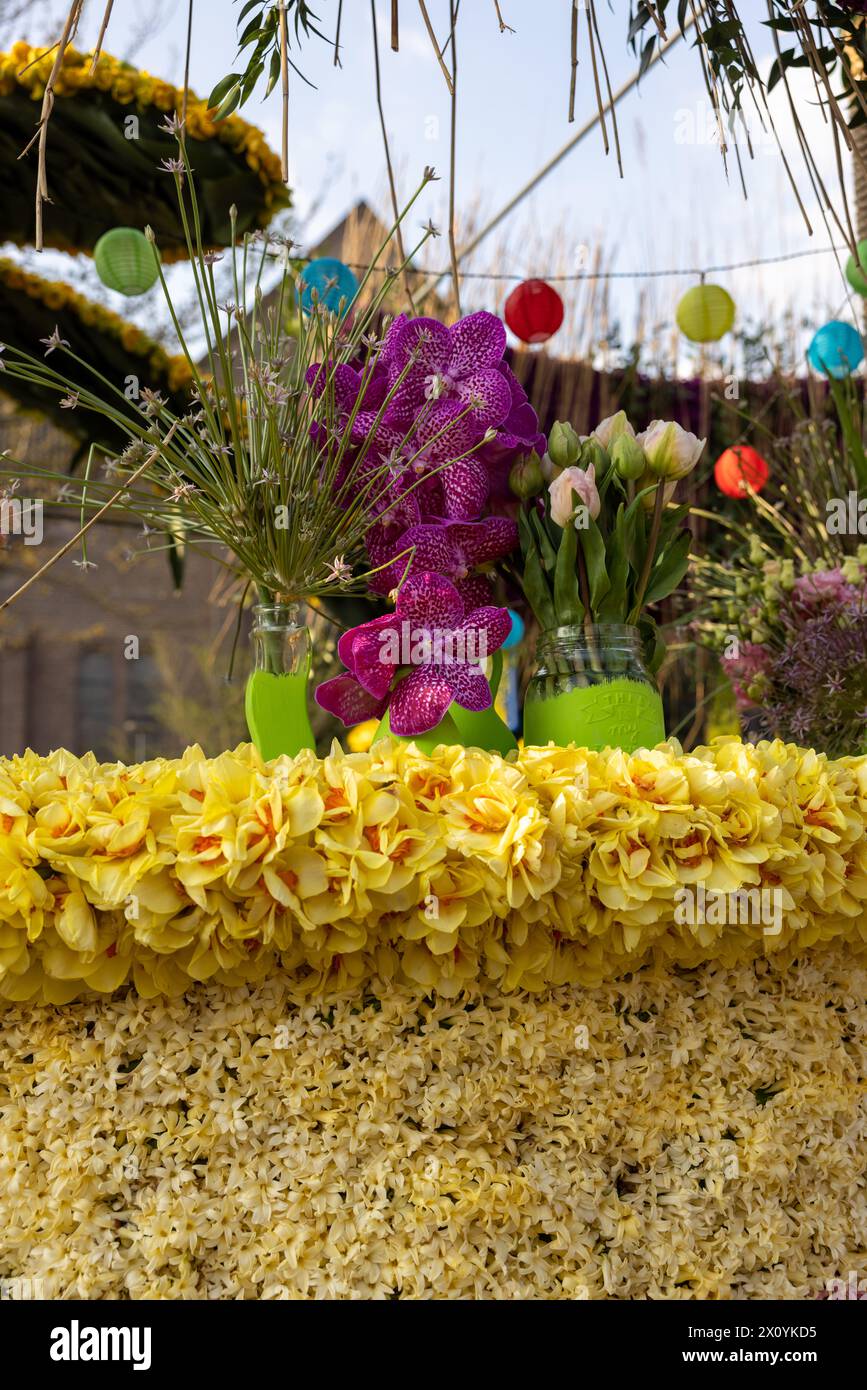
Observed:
{"x":534,"y":310}
{"x":669,"y":272}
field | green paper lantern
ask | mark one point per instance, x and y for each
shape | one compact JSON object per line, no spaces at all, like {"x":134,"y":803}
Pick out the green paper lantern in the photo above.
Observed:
{"x":125,"y":261}
{"x":856,"y":271}
{"x":705,"y":313}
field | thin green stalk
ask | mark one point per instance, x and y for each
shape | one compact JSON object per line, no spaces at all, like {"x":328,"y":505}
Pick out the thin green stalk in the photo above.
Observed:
{"x":650,"y":553}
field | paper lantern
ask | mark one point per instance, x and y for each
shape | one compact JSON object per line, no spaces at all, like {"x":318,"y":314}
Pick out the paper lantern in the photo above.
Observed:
{"x":327,"y":282}
{"x":125,"y":261}
{"x":516,"y":631}
{"x":836,"y":349}
{"x":533,"y":311}
{"x":740,"y":467}
{"x":705,"y":313}
{"x":856,"y":271}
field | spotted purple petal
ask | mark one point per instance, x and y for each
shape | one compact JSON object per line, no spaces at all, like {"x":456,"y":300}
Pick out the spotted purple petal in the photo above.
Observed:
{"x":390,"y":500}
{"x":478,"y":340}
{"x":464,"y":489}
{"x":469,"y":686}
{"x":345,"y":698}
{"x":494,"y":623}
{"x":431,"y":553}
{"x":315,"y":377}
{"x":371,"y":667}
{"x":347,"y":641}
{"x":430,"y":601}
{"x":384,"y":436}
{"x":391,"y":340}
{"x":443,"y":435}
{"x":424,"y":342}
{"x":476,"y":591}
{"x":419,"y":701}
{"x":485,"y":396}
{"x":477,"y":543}
{"x":346,"y":386}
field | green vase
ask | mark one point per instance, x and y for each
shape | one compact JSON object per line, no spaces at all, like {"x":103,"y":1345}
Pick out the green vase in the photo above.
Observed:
{"x":465,"y":727}
{"x":276,"y":696}
{"x":484,"y":728}
{"x":591,"y":688}
{"x":446,"y":731}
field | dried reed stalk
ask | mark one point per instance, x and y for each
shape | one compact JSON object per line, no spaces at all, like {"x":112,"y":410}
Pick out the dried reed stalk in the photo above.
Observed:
{"x":41,"y":135}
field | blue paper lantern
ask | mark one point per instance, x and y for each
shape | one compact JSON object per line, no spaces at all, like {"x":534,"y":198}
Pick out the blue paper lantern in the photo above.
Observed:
{"x":516,"y":634}
{"x":836,"y":349}
{"x":328,"y":282}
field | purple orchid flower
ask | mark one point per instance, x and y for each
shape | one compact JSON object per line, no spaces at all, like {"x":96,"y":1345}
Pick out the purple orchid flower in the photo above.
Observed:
{"x":432,"y":634}
{"x":454,"y":389}
{"x":450,"y":548}
{"x":455,"y":368}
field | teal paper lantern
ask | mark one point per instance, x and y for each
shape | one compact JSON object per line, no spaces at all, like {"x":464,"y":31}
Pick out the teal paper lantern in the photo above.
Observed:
{"x":836,"y":349}
{"x":516,"y":632}
{"x":705,"y":313}
{"x":125,"y":261}
{"x":328,"y":282}
{"x":856,"y":271}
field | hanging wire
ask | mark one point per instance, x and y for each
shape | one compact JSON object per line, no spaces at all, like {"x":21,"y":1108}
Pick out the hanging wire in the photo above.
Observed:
{"x":695,"y":271}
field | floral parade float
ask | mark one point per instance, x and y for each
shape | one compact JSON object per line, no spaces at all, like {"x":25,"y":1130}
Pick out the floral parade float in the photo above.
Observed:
{"x":424,"y":1020}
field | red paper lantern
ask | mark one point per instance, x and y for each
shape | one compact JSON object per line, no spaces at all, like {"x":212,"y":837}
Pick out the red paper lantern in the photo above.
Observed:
{"x":533,"y":311}
{"x":738,"y":467}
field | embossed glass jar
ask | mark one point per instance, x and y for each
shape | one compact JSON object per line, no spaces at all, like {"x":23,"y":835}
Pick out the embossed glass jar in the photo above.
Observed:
{"x":592,"y":688}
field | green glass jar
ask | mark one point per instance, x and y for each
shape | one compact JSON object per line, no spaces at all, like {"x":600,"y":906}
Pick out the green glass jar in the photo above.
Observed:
{"x":276,"y":695}
{"x":592,"y":688}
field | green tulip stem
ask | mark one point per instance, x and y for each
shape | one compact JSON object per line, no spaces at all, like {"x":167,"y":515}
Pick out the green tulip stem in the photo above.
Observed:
{"x":584,"y":586}
{"x":650,"y":553}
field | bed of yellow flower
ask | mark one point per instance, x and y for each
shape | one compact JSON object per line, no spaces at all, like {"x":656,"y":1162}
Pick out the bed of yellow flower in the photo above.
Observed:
{"x":556,"y":866}
{"x":676,"y":1134}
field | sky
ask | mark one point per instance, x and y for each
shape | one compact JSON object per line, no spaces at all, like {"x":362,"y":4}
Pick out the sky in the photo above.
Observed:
{"x":674,"y":207}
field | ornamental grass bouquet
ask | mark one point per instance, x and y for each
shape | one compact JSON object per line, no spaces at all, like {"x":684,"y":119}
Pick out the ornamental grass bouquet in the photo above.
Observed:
{"x":806,"y":678}
{"x":603,"y":540}
{"x":786,"y":609}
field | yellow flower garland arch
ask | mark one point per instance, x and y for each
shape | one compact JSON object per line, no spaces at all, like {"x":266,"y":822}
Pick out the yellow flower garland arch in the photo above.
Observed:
{"x":26,"y":68}
{"x":166,"y":369}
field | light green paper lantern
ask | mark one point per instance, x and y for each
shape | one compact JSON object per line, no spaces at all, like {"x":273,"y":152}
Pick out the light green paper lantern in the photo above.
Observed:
{"x":856,"y":271}
{"x":125,"y":261}
{"x":705,"y":313}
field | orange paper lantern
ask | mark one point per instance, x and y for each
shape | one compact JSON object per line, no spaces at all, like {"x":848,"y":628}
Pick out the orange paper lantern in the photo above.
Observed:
{"x":740,"y":468}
